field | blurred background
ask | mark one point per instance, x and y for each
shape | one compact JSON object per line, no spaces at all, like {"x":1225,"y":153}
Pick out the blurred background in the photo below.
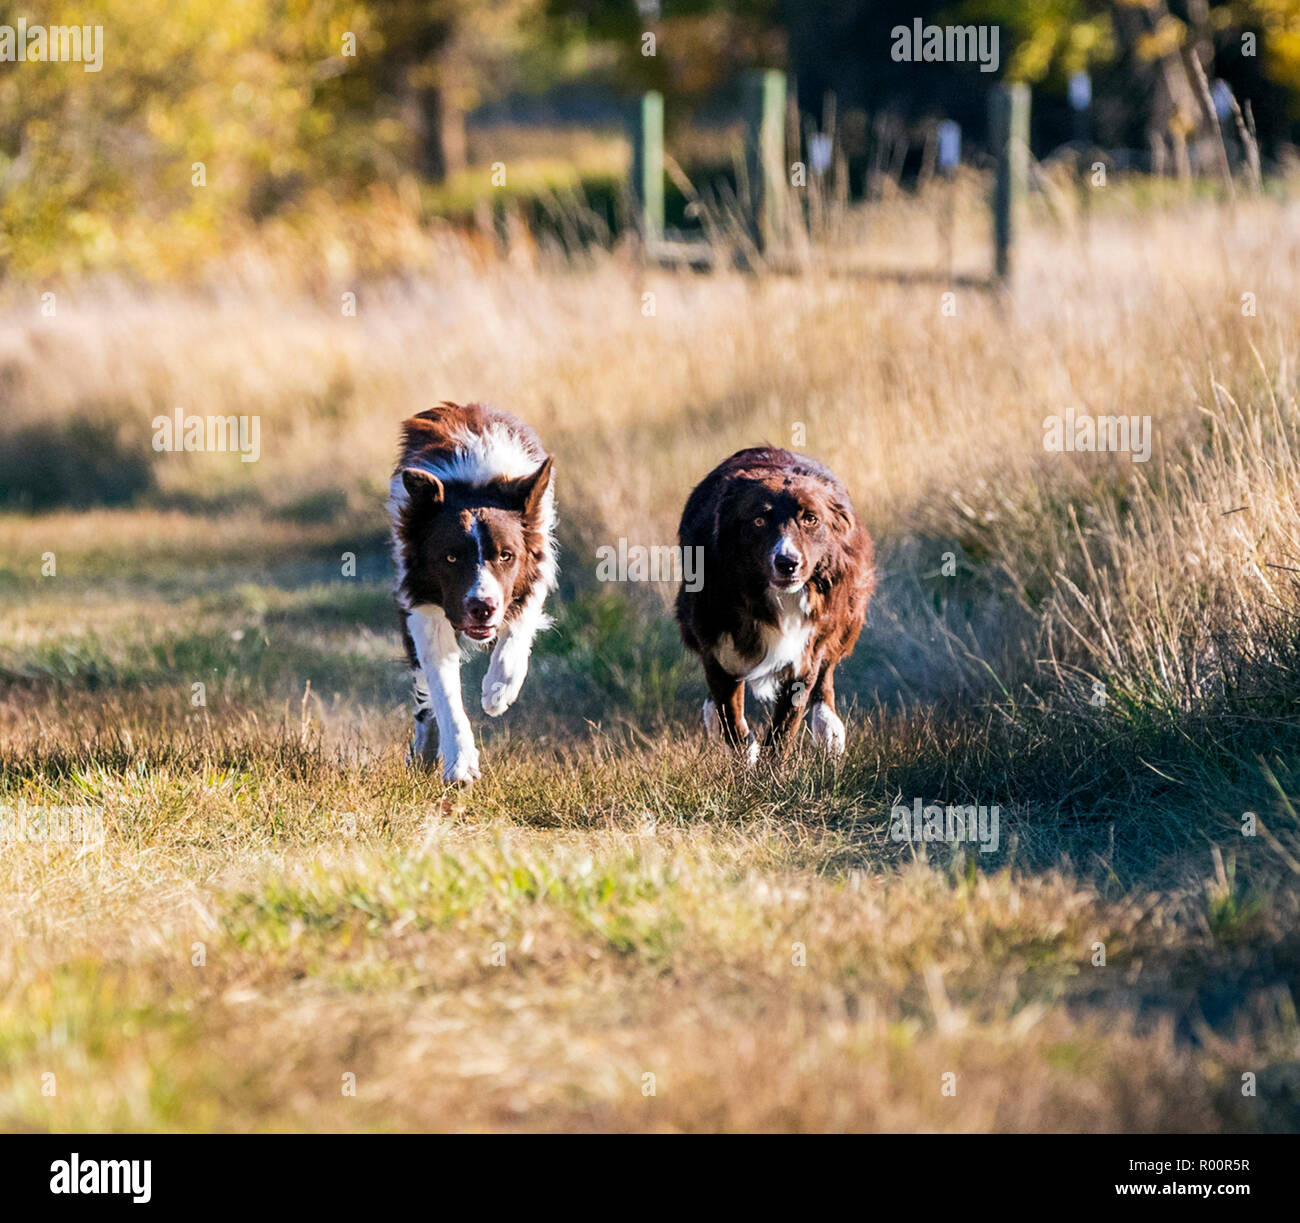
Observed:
{"x":317,"y":119}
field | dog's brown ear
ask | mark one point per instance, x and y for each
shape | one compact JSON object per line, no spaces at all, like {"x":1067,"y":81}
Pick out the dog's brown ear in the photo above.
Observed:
{"x":423,"y":486}
{"x":841,"y":516}
{"x":529,"y":490}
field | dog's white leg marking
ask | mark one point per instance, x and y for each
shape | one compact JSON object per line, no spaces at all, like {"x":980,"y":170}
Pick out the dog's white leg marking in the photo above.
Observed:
{"x":505,"y":674}
{"x":439,"y":655}
{"x":826,"y":728}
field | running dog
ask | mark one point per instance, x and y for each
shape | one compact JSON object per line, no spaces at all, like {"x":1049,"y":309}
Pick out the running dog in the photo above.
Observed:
{"x":788,"y":574}
{"x":473,"y":522}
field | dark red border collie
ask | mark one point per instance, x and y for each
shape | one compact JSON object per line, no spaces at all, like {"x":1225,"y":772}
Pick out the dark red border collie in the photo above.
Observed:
{"x":473,"y":520}
{"x":787,"y":577}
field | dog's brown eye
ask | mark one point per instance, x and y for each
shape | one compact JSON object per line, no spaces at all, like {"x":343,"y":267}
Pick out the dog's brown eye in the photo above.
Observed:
{"x":506,"y":557}
{"x":760,"y":521}
{"x":451,"y":558}
{"x":810,"y":520}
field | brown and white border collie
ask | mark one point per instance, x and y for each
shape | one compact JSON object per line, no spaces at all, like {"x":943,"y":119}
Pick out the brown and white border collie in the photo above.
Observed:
{"x":473,"y":520}
{"x":787,"y":576}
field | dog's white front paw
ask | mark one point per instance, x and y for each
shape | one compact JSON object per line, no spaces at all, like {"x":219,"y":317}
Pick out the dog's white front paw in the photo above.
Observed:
{"x":460,"y":763}
{"x":504,"y":678}
{"x":751,"y":749}
{"x":826,"y":729}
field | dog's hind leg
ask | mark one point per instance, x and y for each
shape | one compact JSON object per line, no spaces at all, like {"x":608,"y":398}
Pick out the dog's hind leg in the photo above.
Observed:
{"x":505,"y":674}
{"x":424,"y":747}
{"x":823,"y":722}
{"x":438,"y":651}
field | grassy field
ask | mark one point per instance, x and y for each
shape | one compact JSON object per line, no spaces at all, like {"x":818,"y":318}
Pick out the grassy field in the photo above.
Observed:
{"x":620,"y":928}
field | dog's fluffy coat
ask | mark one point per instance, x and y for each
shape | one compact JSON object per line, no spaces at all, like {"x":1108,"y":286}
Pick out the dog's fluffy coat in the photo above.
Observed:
{"x":787,"y":577}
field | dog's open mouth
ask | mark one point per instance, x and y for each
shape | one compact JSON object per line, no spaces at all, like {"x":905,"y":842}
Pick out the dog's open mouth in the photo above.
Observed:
{"x":478,"y":632}
{"x":786,"y":584}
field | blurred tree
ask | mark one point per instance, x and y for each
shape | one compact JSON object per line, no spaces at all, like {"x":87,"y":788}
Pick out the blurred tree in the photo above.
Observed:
{"x":439,"y":57}
{"x":211,"y":115}
{"x":1136,"y":51}
{"x":685,"y":48}
{"x":207,"y":117}
{"x":1139,"y":50}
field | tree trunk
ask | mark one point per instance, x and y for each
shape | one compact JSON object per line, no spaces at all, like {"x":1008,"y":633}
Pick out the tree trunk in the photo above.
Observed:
{"x":436,"y":123}
{"x":448,"y":145}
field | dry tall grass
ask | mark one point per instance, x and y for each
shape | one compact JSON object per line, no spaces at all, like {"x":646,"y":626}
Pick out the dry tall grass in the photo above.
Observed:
{"x":613,"y":901}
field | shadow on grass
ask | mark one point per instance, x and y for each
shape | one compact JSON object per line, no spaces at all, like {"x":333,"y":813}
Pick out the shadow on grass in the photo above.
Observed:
{"x":76,"y":462}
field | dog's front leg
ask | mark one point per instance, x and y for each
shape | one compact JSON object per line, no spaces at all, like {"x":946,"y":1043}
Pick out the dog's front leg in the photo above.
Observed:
{"x":726,"y":709}
{"x":823,"y":722}
{"x":788,"y":712}
{"x":505,"y":674}
{"x":439,"y":653}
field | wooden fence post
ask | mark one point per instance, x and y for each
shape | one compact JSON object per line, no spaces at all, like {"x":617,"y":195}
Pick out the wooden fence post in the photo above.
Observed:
{"x":948,"y":139}
{"x":1081,"y":105}
{"x":765,"y":122}
{"x":1009,"y":136}
{"x":648,"y":170}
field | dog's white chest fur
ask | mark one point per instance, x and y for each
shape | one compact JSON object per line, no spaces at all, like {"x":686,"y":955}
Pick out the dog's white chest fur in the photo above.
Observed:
{"x":783,"y":645}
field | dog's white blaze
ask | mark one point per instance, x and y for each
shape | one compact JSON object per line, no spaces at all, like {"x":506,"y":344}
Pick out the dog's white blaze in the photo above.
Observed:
{"x":496,"y":453}
{"x":786,"y":549}
{"x":486,"y":585}
{"x":783,"y":645}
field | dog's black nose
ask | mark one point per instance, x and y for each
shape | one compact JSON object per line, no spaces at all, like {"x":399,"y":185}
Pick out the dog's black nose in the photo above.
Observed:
{"x":480,"y":611}
{"x":785,"y":565}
